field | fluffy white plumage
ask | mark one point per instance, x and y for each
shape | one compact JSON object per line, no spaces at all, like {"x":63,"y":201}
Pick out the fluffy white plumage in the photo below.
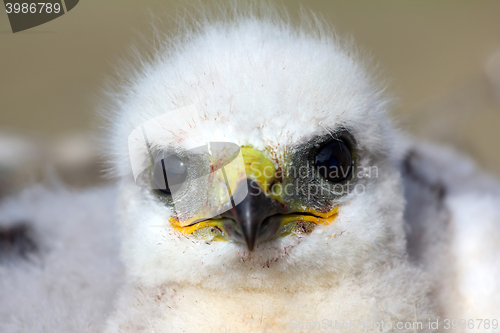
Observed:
{"x":418,"y":244}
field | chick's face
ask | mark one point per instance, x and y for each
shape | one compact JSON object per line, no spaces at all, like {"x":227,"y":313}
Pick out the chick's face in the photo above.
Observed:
{"x":269,"y":168}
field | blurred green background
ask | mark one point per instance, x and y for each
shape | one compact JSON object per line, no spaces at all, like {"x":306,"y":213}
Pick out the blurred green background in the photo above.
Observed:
{"x":435,"y":55}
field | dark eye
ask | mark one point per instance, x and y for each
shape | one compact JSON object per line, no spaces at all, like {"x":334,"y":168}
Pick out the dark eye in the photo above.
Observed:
{"x":334,"y":161}
{"x":168,"y":174}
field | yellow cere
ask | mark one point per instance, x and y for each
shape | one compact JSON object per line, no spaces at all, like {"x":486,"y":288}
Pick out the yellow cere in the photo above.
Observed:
{"x":258,"y":167}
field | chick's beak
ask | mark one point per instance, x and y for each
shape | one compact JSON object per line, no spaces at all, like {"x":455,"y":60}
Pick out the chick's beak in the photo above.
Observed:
{"x":251,"y":221}
{"x":257,"y":209}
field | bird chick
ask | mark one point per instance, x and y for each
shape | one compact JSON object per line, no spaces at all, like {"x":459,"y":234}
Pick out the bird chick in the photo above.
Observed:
{"x":260,"y":186}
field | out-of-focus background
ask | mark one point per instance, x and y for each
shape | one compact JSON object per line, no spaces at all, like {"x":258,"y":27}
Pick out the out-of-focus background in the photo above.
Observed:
{"x":441,"y":59}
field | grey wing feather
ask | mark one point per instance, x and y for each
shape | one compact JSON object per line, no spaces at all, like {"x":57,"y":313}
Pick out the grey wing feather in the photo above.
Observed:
{"x":59,"y":261}
{"x":452,"y":223}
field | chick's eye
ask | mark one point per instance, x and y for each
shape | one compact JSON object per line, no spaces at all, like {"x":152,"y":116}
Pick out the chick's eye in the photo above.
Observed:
{"x":334,"y":161}
{"x":168,"y":174}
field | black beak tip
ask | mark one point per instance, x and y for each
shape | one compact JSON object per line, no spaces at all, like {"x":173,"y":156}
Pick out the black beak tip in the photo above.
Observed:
{"x":250,"y":244}
{"x":250,"y":216}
